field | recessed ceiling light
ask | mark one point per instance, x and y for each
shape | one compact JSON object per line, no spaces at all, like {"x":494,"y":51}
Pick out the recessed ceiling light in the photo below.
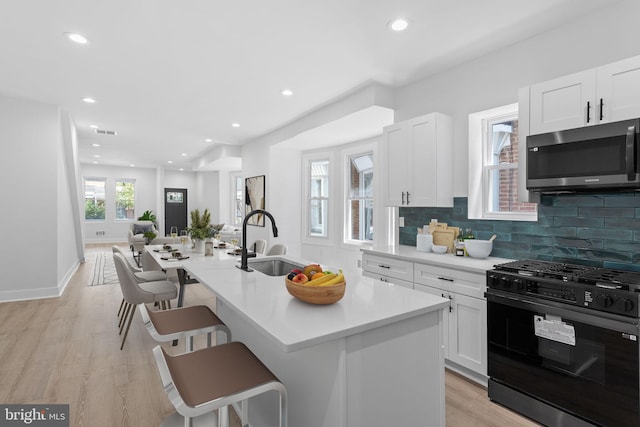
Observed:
{"x":169,"y":161}
{"x":181,"y":169}
{"x":235,"y":125}
{"x":131,"y":165}
{"x":95,"y":144}
{"x":78,"y":38}
{"x":93,"y":126}
{"x":286,"y":92}
{"x":184,"y":154}
{"x":95,"y":163}
{"x":208,"y":140}
{"x":96,"y":155}
{"x":399,"y":24}
{"x":89,"y":100}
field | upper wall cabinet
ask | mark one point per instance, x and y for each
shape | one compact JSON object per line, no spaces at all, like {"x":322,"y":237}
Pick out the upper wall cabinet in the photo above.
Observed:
{"x":417,"y":162}
{"x":605,"y":94}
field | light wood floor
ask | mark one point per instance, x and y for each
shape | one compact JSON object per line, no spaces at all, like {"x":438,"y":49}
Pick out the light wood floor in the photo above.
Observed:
{"x":66,"y":350}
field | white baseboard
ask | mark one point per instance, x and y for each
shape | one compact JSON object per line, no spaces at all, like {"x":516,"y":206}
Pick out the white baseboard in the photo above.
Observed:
{"x":41,"y":293}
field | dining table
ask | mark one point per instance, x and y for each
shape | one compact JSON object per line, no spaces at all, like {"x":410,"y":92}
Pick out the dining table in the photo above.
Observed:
{"x":164,"y":257}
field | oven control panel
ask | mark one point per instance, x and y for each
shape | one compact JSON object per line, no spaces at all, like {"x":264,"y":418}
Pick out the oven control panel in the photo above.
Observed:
{"x":594,"y":297}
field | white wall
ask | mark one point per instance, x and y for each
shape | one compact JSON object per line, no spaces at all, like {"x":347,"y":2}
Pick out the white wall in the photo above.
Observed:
{"x":493,"y":80}
{"x":35,"y":260}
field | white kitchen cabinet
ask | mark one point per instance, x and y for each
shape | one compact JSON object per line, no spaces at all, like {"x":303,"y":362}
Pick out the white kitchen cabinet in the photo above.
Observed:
{"x":466,"y":323}
{"x":600,"y":95}
{"x":417,"y":162}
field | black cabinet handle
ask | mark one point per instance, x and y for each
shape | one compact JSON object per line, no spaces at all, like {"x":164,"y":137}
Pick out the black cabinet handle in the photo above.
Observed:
{"x":383,"y":266}
{"x":407,"y":197}
{"x":601,"y":106}
{"x":403,"y":197}
{"x":588,"y":111}
{"x":445,"y":278}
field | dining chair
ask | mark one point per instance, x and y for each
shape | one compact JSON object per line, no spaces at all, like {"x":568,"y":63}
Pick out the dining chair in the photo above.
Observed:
{"x":259,"y":246}
{"x":141,"y":276}
{"x":134,"y":293}
{"x":277,"y":249}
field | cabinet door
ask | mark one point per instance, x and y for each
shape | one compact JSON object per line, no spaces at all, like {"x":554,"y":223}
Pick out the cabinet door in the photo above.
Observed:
{"x":563,"y":103}
{"x":424,"y":163}
{"x":468,"y":333}
{"x":619,"y":90}
{"x":449,"y":279}
{"x":445,"y":317}
{"x":396,"y":170}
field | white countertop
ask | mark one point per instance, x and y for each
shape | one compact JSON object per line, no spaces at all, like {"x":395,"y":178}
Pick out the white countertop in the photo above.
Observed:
{"x":293,"y":324}
{"x":409,"y":253}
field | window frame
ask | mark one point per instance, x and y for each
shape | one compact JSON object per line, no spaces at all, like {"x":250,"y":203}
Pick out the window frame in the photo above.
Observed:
{"x":346,"y":155}
{"x":234,"y":194}
{"x":479,"y":167}
{"x":127,"y":180}
{"x":307,"y":159}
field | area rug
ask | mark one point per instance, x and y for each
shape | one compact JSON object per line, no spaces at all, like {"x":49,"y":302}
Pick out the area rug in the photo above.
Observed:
{"x":104,"y":270}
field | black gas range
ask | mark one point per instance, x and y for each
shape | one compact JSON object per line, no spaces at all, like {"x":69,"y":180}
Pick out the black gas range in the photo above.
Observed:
{"x":564,"y":343}
{"x":603,"y":289}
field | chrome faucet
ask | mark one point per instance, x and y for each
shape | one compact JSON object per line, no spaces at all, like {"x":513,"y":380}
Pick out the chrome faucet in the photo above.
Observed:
{"x":245,"y":254}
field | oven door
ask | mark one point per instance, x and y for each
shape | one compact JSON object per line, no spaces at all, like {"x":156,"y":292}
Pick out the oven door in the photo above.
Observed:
{"x":582,"y":364}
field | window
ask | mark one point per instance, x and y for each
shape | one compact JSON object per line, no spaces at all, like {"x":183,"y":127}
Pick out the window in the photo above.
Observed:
{"x":360,"y":197}
{"x":125,"y":199}
{"x":316,"y":192}
{"x":94,"y":196}
{"x":493,"y":166}
{"x":238,"y":199}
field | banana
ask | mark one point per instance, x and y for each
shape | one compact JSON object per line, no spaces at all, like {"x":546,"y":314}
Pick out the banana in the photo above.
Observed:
{"x":338,"y":279}
{"x":321,"y":280}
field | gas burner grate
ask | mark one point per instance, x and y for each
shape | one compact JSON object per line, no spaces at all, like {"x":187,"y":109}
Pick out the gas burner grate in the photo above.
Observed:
{"x":626,"y":280}
{"x":548,"y":269}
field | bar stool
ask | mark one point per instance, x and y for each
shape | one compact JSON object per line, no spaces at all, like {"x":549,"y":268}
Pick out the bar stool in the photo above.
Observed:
{"x":184,"y":322}
{"x":214,"y":378}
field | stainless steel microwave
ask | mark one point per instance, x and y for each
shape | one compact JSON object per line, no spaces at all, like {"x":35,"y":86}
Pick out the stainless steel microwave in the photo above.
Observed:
{"x":594,"y":158}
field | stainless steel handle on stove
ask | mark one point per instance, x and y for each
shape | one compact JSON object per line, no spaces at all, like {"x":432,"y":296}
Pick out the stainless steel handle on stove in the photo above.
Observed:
{"x":577,"y":314}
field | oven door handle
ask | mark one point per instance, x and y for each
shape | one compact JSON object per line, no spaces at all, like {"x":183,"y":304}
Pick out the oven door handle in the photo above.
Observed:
{"x":601,"y":319}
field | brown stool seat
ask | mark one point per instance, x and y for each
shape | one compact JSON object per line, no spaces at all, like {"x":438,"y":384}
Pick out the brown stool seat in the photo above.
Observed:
{"x":183,"y":322}
{"x":212,"y":378}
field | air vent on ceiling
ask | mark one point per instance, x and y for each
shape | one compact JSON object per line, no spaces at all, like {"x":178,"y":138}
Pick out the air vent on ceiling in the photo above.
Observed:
{"x":106,"y":132}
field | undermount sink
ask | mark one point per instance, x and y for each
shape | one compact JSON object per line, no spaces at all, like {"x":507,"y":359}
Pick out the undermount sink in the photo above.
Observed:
{"x":273,"y":266}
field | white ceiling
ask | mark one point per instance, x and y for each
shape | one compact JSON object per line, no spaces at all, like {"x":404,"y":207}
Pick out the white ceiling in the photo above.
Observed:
{"x":168,"y":74}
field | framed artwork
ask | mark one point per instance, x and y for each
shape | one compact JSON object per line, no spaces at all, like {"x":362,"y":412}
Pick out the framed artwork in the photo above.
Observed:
{"x":254,"y":199}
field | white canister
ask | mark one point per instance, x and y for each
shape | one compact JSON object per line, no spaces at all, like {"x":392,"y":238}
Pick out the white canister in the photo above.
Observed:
{"x":424,"y":242}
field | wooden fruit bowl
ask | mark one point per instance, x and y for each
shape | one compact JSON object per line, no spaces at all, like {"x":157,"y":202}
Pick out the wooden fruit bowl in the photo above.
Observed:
{"x":316,"y":294}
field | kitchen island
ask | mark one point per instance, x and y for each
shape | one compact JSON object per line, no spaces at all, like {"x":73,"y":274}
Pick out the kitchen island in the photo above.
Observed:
{"x":374,"y":358}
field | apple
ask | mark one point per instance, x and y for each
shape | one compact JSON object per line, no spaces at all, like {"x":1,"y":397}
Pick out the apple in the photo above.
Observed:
{"x":300,"y":278}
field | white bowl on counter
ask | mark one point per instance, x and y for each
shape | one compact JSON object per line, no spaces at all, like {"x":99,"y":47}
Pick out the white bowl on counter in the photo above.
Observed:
{"x":439,"y":249}
{"x":478,"y":248}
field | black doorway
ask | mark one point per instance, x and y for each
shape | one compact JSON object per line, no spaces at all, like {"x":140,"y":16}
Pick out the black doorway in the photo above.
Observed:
{"x":175,"y":209}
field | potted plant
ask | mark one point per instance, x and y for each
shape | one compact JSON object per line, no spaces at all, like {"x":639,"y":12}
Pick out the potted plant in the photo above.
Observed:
{"x":148,"y":216}
{"x":200,"y":228}
{"x":149,"y":236}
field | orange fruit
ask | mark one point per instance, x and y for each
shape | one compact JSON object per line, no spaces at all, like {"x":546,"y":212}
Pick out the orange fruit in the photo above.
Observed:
{"x":317,"y":276}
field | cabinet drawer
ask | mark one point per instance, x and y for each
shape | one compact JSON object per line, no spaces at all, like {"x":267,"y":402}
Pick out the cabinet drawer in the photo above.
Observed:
{"x":462,"y":282}
{"x":388,"y":280}
{"x":388,"y":267}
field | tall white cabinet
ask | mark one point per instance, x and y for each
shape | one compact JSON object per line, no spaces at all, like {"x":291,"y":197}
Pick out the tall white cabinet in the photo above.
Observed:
{"x":417,"y":162}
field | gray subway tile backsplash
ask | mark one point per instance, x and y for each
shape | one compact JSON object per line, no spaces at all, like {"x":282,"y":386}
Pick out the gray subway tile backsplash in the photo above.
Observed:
{"x":601,"y":230}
